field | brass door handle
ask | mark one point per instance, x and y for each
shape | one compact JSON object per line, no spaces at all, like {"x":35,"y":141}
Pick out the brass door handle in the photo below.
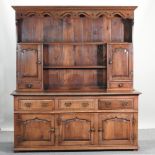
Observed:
{"x":110,"y":61}
{"x":100,"y":130}
{"x":92,"y":130}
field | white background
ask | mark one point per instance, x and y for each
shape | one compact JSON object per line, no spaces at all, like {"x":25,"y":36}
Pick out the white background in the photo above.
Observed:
{"x":144,"y":54}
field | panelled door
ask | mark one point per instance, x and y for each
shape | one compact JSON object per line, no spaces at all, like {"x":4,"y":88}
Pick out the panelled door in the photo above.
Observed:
{"x":76,"y":129}
{"x":116,"y":128}
{"x":119,"y":62}
{"x":29,"y":66}
{"x":34,"y":129}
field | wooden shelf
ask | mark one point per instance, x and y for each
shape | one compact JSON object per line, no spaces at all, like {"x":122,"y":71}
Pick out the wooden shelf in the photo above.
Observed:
{"x":65,"y":43}
{"x":74,"y":43}
{"x":75,"y":67}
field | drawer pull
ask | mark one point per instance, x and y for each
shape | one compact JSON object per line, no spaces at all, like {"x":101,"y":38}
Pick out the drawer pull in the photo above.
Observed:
{"x":44,"y":104}
{"x":85,"y":104}
{"x":120,"y":85}
{"x":124,"y":104}
{"x":68,"y":104}
{"x":28,"y":104}
{"x":52,"y":130}
{"x":107,"y":104}
{"x":29,"y":85}
{"x":92,"y":130}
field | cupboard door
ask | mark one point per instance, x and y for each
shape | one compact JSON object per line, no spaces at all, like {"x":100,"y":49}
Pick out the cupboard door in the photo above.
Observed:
{"x":119,"y":62}
{"x":76,"y":129}
{"x":29,"y":66}
{"x":116,"y":128}
{"x":34,"y":130}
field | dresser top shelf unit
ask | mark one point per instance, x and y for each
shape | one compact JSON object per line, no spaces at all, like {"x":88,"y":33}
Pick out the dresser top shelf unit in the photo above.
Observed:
{"x":74,"y":48}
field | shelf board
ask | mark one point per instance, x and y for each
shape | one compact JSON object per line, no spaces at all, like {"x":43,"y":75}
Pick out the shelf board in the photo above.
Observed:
{"x":75,"y":67}
{"x":75,"y":43}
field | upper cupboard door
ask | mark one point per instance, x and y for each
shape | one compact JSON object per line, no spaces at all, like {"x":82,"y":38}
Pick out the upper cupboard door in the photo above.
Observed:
{"x":29,"y":62}
{"x":120,"y":65}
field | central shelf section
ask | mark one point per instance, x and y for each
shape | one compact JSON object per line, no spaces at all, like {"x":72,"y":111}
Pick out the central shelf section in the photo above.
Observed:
{"x":74,"y":66}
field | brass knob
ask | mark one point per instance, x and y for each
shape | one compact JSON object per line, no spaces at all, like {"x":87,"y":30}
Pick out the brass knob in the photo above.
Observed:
{"x":29,"y":85}
{"x":120,"y":84}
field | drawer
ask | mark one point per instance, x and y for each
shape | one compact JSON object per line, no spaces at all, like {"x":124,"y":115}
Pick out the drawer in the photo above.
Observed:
{"x":76,"y":104}
{"x":30,"y":85}
{"x":36,"y":104}
{"x":120,"y":85}
{"x":113,"y":104}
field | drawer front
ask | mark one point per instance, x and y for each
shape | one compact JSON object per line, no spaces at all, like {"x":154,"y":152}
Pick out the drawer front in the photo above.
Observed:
{"x":30,"y":85}
{"x":120,"y":85}
{"x":113,"y":104}
{"x":36,"y":104}
{"x":76,"y":104}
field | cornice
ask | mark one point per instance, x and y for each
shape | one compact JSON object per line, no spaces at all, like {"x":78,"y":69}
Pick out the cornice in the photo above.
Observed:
{"x":74,"y":11}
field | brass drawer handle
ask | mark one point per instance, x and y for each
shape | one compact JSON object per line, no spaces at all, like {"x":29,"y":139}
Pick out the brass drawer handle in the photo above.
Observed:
{"x":28,"y":104}
{"x":29,"y":85}
{"x":68,"y":104}
{"x":85,"y":104}
{"x":44,"y":104}
{"x":124,"y":104}
{"x":52,"y":130}
{"x":92,"y":130}
{"x":107,"y":104}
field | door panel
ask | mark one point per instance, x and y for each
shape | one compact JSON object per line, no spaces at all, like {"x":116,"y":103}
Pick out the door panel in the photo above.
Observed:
{"x":34,"y":129}
{"x":76,"y":129}
{"x":29,"y":66}
{"x":115,"y":128}
{"x":119,"y":62}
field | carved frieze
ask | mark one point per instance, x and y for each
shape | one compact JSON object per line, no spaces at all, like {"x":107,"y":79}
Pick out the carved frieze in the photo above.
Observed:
{"x":61,"y":12}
